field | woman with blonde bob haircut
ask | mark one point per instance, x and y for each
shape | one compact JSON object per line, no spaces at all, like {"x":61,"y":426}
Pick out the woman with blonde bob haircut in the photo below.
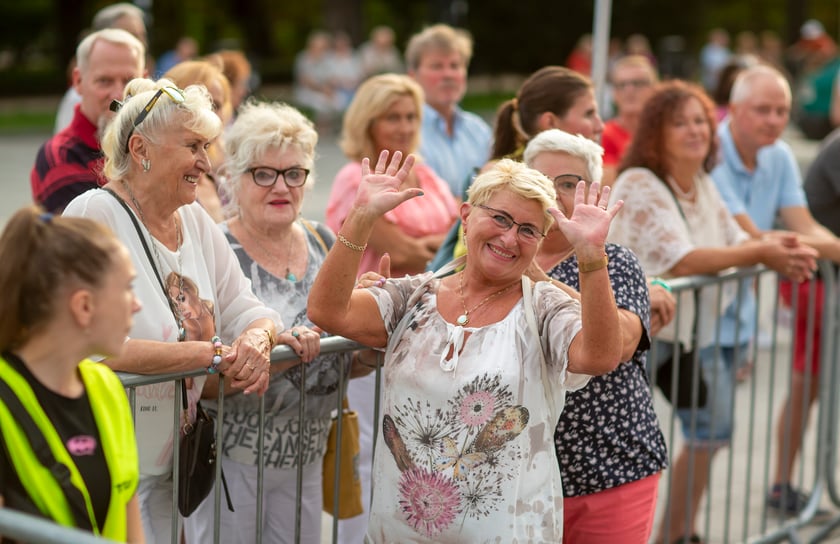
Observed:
{"x":155,"y":152}
{"x":477,"y":362}
{"x":373,"y":99}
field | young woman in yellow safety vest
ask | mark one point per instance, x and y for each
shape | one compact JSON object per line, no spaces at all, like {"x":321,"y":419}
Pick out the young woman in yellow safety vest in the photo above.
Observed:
{"x":68,"y":448}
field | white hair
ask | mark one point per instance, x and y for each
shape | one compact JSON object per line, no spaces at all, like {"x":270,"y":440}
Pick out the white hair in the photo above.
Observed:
{"x":746,"y":79}
{"x":557,"y":141}
{"x":111,"y":35}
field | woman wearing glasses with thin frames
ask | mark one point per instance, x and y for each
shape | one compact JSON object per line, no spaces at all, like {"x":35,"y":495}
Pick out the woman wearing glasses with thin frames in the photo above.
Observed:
{"x":155,"y":151}
{"x":477,"y":362}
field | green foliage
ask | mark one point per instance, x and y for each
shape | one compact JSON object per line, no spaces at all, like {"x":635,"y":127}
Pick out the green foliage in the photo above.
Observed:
{"x":17,"y":122}
{"x":20,"y":21}
{"x":510,"y":36}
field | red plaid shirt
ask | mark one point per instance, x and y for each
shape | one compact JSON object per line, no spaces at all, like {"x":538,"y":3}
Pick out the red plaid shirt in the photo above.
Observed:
{"x":67,"y":165}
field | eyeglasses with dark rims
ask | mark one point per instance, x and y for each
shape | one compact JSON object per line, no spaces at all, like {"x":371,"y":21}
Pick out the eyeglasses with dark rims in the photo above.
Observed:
{"x":265,"y":176}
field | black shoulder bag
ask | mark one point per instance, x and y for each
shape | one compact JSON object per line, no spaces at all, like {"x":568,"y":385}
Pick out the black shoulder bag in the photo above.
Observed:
{"x":197,"y":457}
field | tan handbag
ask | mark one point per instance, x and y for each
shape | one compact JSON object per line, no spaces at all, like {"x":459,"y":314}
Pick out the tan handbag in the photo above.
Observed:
{"x":343,"y":459}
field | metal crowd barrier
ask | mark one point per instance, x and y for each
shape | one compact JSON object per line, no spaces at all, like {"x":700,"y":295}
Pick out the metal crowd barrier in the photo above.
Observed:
{"x":741,"y":474}
{"x":733,"y":509}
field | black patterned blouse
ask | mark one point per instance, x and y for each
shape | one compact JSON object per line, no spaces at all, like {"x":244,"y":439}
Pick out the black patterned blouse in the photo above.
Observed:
{"x":608,"y":433}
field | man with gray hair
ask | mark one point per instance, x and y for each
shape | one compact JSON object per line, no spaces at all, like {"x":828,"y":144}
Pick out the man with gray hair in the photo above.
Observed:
{"x":123,"y":15}
{"x":70,"y":162}
{"x":455,"y":143}
{"x":759,"y":180}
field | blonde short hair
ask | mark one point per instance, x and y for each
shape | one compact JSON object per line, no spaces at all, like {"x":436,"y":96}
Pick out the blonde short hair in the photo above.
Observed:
{"x":372,"y":99}
{"x":516,"y":177}
{"x":260,"y":127}
{"x":195,"y":113}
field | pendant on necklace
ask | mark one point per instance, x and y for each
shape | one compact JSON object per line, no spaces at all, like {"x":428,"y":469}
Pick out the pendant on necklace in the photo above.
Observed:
{"x":290,"y":276}
{"x":182,"y":334}
{"x":463,"y":319}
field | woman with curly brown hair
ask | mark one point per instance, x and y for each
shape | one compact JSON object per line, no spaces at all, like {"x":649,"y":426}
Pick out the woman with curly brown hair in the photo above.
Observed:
{"x":678,"y":225}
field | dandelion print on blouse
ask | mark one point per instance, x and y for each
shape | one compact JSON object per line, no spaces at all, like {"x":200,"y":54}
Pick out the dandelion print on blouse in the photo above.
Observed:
{"x":454,"y":462}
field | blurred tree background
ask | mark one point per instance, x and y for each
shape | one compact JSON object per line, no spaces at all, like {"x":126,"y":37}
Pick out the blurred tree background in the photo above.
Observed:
{"x":38,"y":37}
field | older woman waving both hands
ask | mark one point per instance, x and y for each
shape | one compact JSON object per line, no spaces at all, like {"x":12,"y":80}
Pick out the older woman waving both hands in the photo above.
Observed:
{"x":477,"y":363}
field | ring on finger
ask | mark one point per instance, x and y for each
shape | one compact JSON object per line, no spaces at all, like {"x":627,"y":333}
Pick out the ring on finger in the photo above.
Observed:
{"x":251,"y":366}
{"x":295,"y":333}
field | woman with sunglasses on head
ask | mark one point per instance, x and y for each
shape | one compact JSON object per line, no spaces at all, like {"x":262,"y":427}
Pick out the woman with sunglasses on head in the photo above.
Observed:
{"x":155,"y":151}
{"x":271,"y":151}
{"x":477,"y":362}
{"x":67,"y":296}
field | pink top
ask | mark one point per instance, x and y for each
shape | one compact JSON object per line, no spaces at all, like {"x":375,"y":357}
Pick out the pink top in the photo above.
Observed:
{"x":432,"y":213}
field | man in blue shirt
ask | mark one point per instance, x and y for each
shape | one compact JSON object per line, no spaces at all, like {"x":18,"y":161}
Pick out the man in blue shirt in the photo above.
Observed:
{"x":454,"y":142}
{"x":759,"y":180}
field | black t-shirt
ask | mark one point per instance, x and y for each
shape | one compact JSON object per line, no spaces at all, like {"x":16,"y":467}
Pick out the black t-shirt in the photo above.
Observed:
{"x":73,"y":420}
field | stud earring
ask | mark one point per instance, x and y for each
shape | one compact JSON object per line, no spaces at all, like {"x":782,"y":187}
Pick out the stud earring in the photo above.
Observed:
{"x":146,"y":164}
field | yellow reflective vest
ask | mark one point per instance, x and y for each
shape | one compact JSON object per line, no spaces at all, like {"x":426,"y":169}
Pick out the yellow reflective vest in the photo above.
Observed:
{"x":112,"y":414}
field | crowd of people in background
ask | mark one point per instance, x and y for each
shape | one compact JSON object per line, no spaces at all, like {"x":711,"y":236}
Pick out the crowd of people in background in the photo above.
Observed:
{"x":542,"y":218}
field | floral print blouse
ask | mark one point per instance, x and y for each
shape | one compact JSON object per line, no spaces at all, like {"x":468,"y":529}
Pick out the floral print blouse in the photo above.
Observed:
{"x":608,"y":433}
{"x":466,"y":455}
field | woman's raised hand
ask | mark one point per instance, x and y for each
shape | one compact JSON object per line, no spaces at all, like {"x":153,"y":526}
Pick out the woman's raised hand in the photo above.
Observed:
{"x":590,"y":221}
{"x":379,"y":191}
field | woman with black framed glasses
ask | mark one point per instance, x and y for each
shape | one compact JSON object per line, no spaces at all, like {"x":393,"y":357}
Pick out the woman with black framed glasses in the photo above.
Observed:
{"x":477,"y":363}
{"x":270,"y":151}
{"x":155,"y":151}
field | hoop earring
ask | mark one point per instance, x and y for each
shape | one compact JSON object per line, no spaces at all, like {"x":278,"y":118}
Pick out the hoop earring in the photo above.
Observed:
{"x":146,"y":164}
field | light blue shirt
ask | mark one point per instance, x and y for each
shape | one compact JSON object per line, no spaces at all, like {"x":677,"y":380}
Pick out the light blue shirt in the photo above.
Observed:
{"x":455,"y":158}
{"x":774,"y":184}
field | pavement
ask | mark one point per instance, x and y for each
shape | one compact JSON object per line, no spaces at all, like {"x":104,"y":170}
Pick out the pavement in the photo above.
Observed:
{"x":17,"y":154}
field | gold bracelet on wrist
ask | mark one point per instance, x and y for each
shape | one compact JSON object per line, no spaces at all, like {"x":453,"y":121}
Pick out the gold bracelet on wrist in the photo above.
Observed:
{"x":592,"y":266}
{"x":351,"y":245}
{"x":271,"y":341}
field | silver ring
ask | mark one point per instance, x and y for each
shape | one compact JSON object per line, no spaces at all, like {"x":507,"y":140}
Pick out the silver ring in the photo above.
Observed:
{"x":295,"y":333}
